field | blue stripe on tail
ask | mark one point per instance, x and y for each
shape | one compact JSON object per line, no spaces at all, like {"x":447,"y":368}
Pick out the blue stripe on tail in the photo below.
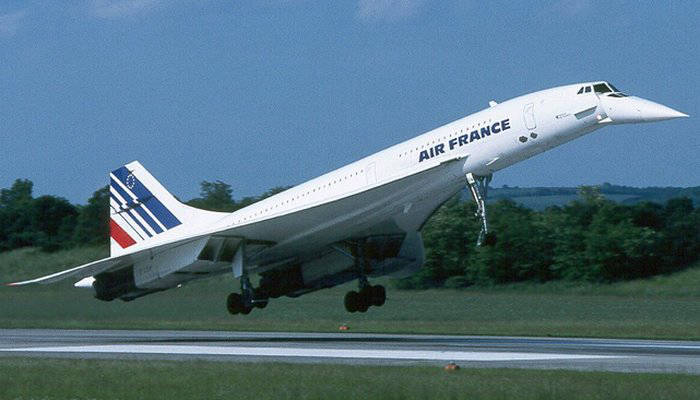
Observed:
{"x":147,"y":198}
{"x":128,"y":212}
{"x":137,"y":207}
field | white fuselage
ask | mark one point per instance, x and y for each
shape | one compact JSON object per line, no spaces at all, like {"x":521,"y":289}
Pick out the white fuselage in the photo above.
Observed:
{"x":405,"y":183}
{"x":313,"y":228}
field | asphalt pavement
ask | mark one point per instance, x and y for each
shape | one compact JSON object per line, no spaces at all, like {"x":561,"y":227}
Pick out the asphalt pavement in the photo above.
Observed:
{"x":358,"y":348}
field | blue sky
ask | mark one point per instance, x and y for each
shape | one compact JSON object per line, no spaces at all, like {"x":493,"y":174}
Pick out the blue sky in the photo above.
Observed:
{"x":272,"y":92}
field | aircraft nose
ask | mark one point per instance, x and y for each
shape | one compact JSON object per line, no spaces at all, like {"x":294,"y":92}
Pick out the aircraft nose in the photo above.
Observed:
{"x":632,"y":109}
{"x":650,"y":111}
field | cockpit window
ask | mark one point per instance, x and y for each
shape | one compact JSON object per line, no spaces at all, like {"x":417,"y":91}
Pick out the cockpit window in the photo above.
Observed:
{"x":588,"y":89}
{"x":601,"y":88}
{"x":614,"y":89}
{"x":580,"y":90}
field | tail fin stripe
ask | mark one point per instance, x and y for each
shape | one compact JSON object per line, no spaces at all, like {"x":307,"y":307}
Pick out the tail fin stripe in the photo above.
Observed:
{"x":128,"y":200}
{"x":119,"y":235}
{"x":128,"y":212}
{"x":115,"y":214}
{"x":147,"y":198}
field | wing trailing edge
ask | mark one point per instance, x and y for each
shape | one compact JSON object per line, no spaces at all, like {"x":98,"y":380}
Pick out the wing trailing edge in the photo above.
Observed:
{"x":78,"y":272}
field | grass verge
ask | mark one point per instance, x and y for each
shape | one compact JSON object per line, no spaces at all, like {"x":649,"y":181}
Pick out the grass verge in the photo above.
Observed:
{"x":120,"y":379}
{"x":663,"y":307}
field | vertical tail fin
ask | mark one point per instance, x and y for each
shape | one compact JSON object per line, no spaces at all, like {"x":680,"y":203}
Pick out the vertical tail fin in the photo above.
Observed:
{"x":141,"y":208}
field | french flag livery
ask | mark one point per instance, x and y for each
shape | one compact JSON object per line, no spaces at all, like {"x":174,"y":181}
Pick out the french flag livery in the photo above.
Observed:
{"x":138,"y":208}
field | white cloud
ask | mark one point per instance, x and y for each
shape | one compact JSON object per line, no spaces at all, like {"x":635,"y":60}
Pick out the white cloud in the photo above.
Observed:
{"x":387,"y":10}
{"x":113,"y":9}
{"x":10,"y":22}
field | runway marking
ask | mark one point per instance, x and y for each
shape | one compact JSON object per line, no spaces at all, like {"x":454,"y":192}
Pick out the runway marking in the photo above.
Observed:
{"x":427,"y":355}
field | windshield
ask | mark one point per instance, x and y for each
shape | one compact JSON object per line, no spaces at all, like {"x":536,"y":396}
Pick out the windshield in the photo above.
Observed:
{"x":602,"y":88}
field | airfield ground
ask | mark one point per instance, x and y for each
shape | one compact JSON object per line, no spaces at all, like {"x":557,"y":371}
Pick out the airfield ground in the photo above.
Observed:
{"x":115,"y":379}
{"x":660,"y":308}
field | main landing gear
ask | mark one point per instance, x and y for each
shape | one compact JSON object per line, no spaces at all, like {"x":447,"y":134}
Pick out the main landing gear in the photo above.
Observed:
{"x":249,"y":298}
{"x":478,"y":186}
{"x":368,"y":295}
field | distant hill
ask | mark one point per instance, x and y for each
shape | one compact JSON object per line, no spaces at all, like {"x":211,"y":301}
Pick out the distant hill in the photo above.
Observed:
{"x":539,"y":198}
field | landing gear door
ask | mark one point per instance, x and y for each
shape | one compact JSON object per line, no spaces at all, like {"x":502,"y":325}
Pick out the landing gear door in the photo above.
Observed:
{"x":529,"y":116}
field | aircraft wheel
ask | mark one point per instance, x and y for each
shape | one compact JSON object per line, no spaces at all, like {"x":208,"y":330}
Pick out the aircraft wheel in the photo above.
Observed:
{"x":234,"y":303}
{"x":378,"y":295}
{"x":261,"y":304}
{"x":363,"y":305}
{"x":352,"y":300}
{"x":246,"y":310}
{"x":365,"y":299}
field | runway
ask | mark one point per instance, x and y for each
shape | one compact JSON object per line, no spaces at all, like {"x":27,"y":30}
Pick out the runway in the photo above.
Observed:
{"x":358,"y":348}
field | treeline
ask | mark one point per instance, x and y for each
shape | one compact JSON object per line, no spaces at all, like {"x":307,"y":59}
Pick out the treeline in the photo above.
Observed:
{"x":50,"y":222}
{"x":591,"y":239}
{"x":53,"y":223}
{"x":633,"y":194}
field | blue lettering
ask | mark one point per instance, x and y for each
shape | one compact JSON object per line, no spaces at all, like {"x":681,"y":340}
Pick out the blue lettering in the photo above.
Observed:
{"x":452,"y":143}
{"x":423,"y":156}
{"x":485,"y":131}
{"x":495,"y":128}
{"x":505,"y":124}
{"x":474,"y":136}
{"x":464,"y":139}
{"x":439,"y":149}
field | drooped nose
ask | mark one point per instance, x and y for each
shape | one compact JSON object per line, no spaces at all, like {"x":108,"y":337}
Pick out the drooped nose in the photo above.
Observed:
{"x":651,"y":111}
{"x":634,"y":109}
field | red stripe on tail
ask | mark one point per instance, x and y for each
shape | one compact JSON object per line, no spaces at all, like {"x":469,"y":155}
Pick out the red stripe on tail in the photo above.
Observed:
{"x":119,"y":235}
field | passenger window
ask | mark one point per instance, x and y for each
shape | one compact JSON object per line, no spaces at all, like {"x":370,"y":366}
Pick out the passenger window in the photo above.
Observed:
{"x":588,"y":89}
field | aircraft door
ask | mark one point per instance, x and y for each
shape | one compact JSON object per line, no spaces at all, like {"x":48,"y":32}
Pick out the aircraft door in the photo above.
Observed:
{"x":371,"y":173}
{"x":529,"y":116}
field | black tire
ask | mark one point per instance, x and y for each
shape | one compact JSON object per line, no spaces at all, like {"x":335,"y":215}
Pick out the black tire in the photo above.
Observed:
{"x":246,"y":310}
{"x":260,"y":303}
{"x":365,"y":299}
{"x":260,"y":298}
{"x":234,"y":303}
{"x":378,"y":295}
{"x":352,"y":300}
{"x":363,"y":305}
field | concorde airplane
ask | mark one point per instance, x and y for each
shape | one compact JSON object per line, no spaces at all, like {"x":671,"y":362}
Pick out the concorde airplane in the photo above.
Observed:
{"x":362,"y":220}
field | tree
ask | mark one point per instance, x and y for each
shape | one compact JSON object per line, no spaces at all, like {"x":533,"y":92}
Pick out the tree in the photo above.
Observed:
{"x":92,"y":226}
{"x":14,"y":217}
{"x":53,"y":219}
{"x":214,"y":196}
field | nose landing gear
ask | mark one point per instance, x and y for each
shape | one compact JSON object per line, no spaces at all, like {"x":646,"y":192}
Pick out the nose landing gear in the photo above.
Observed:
{"x":478,"y":186}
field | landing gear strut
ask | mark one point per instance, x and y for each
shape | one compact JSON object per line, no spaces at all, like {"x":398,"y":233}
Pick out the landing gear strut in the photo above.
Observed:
{"x":249,"y":297}
{"x":367,"y":295}
{"x":478,"y":186}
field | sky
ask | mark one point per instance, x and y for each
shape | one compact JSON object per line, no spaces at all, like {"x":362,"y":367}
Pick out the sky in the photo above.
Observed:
{"x":271,"y":93}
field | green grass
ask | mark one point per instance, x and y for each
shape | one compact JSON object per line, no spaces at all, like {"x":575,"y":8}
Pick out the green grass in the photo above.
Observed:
{"x":119,"y":379}
{"x":663,"y":307}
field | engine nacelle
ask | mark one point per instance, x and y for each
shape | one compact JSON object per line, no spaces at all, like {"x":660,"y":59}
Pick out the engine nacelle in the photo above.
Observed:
{"x":396,"y":255}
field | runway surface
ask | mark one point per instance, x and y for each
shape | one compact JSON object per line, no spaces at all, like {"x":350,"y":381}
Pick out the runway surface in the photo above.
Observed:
{"x":358,"y":348}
